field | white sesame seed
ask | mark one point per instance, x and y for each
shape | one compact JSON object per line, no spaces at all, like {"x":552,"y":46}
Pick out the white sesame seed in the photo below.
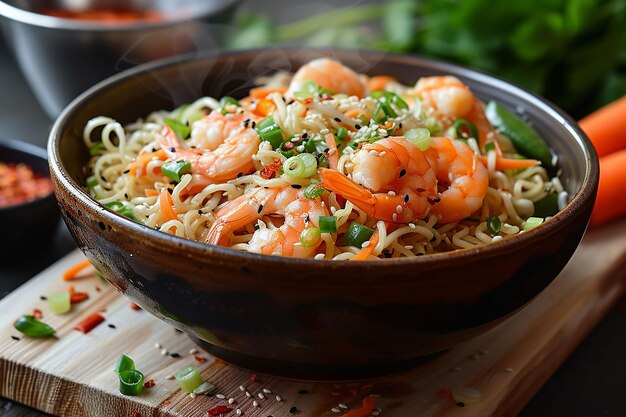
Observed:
{"x":300,"y":148}
{"x":394,"y":216}
{"x":265,"y":390}
{"x":278,"y":398}
{"x":342,"y":405}
{"x":231,"y":400}
{"x":170,"y":377}
{"x":324,"y":132}
{"x":391,"y":192}
{"x":509,"y":370}
{"x":260,"y":395}
{"x":496,"y":238}
{"x":192,"y":394}
{"x":248,"y":394}
{"x":383,"y":153}
{"x":365,"y":244}
{"x":220,"y":396}
{"x":335,"y":410}
{"x":295,"y":139}
{"x":399,"y":209}
{"x":255,"y":403}
{"x":242,"y":388}
{"x":193,"y":351}
{"x":408,"y":247}
{"x":164,"y":352}
{"x":157,"y":345}
{"x":374,"y":153}
{"x":238,"y":412}
{"x":319,"y":256}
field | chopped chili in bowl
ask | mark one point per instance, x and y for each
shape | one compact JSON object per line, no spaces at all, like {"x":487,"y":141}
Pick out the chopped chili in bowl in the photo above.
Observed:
{"x":19,"y":184}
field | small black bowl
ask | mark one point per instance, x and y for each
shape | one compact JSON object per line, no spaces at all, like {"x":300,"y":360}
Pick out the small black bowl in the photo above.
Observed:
{"x":29,"y":225}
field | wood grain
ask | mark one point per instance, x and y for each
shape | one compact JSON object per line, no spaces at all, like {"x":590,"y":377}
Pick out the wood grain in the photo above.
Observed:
{"x":71,"y":375}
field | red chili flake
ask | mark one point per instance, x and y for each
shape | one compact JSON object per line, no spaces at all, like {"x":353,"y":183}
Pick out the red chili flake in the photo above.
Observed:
{"x":98,"y":289}
{"x":149,"y":383}
{"x":134,"y":306}
{"x":219,"y":410}
{"x":102,"y":310}
{"x":253,"y":378}
{"x":269,"y":171}
{"x":77,"y":297}
{"x":444,"y":393}
{"x":37,"y":314}
{"x":89,"y":322}
{"x":71,"y":289}
{"x":200,"y":359}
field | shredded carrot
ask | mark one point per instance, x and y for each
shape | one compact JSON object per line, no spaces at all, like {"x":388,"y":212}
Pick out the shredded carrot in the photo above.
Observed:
{"x":368,"y":406}
{"x":264,"y":107}
{"x":333,"y":152}
{"x":77,"y":297}
{"x":166,"y":203}
{"x":610,"y":201}
{"x":607,"y":127}
{"x":262,"y":92}
{"x":151,"y":192}
{"x":89,"y":323}
{"x":353,"y":114}
{"x":135,"y":306}
{"x":72,"y":272}
{"x":510,"y":163}
{"x":379,"y":82}
{"x":365,"y":252}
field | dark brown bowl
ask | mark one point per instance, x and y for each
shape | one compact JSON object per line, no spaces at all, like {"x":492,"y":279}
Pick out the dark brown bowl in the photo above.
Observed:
{"x":300,"y":317}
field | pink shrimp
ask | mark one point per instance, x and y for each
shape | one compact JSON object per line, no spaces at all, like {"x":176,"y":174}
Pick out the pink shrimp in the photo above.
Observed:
{"x":391,"y":181}
{"x":329,"y":74}
{"x":462,"y":179}
{"x":299,"y":213}
{"x":231,"y":146}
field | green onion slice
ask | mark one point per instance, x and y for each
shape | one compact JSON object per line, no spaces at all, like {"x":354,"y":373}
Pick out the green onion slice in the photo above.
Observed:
{"x":420,"y":137}
{"x":465,"y":129}
{"x":176,"y":169}
{"x":228,"y":101}
{"x":59,"y":302}
{"x":269,"y":131}
{"x":532,"y":222}
{"x":328,"y":224}
{"x":131,"y":382}
{"x":96,"y":148}
{"x":189,"y":379}
{"x":180,"y":129}
{"x":309,"y":88}
{"x":300,"y":166}
{"x":32,"y":327}
{"x":120,"y":208}
{"x":313,"y":190}
{"x":494,"y":224}
{"x":310,"y":236}
{"x":92,"y":181}
{"x":342,"y":132}
{"x":389,"y":97}
{"x":124,"y":363}
{"x":358,"y":234}
{"x":490,"y":147}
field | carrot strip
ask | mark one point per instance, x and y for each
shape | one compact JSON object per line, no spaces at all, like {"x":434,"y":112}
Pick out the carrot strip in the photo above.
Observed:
{"x":89,"y":323}
{"x":78,"y":297}
{"x":333,"y":152}
{"x":365,"y":252}
{"x":353,"y":114}
{"x":379,"y":82}
{"x":606,"y":127}
{"x":165,"y":204}
{"x":510,"y":163}
{"x":368,"y":406}
{"x":264,"y":107}
{"x":138,"y":166}
{"x":262,"y":92}
{"x":610,"y":202}
{"x":72,"y":272}
{"x":150,"y":192}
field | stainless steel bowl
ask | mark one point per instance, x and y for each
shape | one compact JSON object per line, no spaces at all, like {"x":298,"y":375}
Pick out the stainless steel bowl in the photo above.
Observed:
{"x":61,"y":57}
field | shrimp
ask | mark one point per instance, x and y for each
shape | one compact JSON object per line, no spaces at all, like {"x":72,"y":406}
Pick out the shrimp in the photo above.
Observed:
{"x":462,"y":179}
{"x":328,"y":74}
{"x":299,"y":213}
{"x":391,"y":180}
{"x":231,"y":146}
{"x":452,"y":99}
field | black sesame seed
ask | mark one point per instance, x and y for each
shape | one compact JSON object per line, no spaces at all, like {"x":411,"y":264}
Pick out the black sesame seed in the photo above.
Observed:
{"x":126,"y":196}
{"x":400,"y":125}
{"x":305,"y":135}
{"x":175,"y":355}
{"x":326,"y":150}
{"x":200,"y":212}
{"x":307,"y":219}
{"x":239,"y":174}
{"x":402,"y":173}
{"x":112,"y":326}
{"x":102,"y":177}
{"x":154,"y":149}
{"x":303,"y":391}
{"x":260,"y":209}
{"x":126,"y":171}
{"x":291,"y":102}
{"x":293,"y":410}
{"x":43,"y":298}
{"x":437,"y":199}
{"x":253,"y":124}
{"x":337,"y":119}
{"x":406,"y":198}
{"x":357,"y":126}
{"x":169,"y":190}
{"x":296,"y":186}
{"x":460,"y":404}
{"x":15,"y":338}
{"x":256,"y":226}
{"x":172,"y":149}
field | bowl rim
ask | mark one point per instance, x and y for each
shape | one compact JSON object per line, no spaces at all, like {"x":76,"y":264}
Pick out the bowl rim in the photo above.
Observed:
{"x":28,"y":17}
{"x":228,"y":256}
{"x":32,"y":150}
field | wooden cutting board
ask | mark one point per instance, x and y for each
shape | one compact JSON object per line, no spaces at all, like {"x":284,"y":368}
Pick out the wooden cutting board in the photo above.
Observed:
{"x":72,"y":375}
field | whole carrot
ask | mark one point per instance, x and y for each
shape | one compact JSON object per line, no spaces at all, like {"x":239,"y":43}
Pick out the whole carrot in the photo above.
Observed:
{"x":607,"y":127}
{"x":611,"y":201}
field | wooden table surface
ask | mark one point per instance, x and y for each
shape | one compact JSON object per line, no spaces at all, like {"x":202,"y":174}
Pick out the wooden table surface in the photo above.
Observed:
{"x":592,"y":382}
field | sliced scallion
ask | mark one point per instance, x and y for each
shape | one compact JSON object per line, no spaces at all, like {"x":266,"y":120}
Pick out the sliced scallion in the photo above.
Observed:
{"x":342,"y":132}
{"x":358,"y":234}
{"x":313,"y":190}
{"x":532,"y":222}
{"x":32,"y":327}
{"x":120,"y":208}
{"x":420,"y":137}
{"x":180,"y":129}
{"x":269,"y":131}
{"x":228,"y":101}
{"x":131,"y":382}
{"x":490,"y":147}
{"x":96,"y":148}
{"x":300,"y":166}
{"x":310,"y":236}
{"x":176,"y":169}
{"x":494,"y":224}
{"x":465,"y":129}
{"x":328,"y":224}
{"x":390,"y":97}
{"x":124,"y":363}
{"x":59,"y":302}
{"x":189,"y":379}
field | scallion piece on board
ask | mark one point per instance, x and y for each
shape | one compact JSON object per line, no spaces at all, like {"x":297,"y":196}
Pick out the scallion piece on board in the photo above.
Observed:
{"x":328,"y":224}
{"x":32,"y":327}
{"x":180,"y":129}
{"x":310,"y":236}
{"x":532,"y":222}
{"x":176,"y":169}
{"x":131,"y":382}
{"x":269,"y":131}
{"x":465,"y":129}
{"x":358,"y":234}
{"x":300,"y":166}
{"x":494,"y":224}
{"x":59,"y":302}
{"x":124,"y":363}
{"x":313,"y":190}
{"x":420,"y":137}
{"x":189,"y":379}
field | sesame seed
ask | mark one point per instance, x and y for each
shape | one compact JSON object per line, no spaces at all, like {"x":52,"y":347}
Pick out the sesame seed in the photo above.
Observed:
{"x":170,"y":377}
{"x":260,"y":395}
{"x":402,"y":173}
{"x":391,"y":192}
{"x":175,"y":355}
{"x":220,"y":396}
{"x":265,"y":390}
{"x":337,"y":119}
{"x":279,"y":398}
{"x":335,"y":410}
{"x":158,"y":345}
{"x":374,"y":153}
{"x":255,"y":403}
{"x":406,"y":198}
{"x":296,"y":186}
{"x":253,"y":124}
{"x":383,"y":153}
{"x":231,"y":400}
{"x":238,"y":412}
{"x":15,"y":338}
{"x":248,"y":394}
{"x":43,"y":298}
{"x":305,"y":135}
{"x":408,"y":247}
{"x":260,"y":209}
{"x":509,"y":370}
{"x":111,"y":326}
{"x":242,"y":388}
{"x":342,"y":405}
{"x":365,"y":244}
{"x":319,"y":256}
{"x":496,"y":238}
{"x":399,"y":209}
{"x":293,"y":410}
{"x":192,"y":394}
{"x":412,"y":225}
{"x":324,"y":132}
{"x":394,"y":216}
{"x":357,"y":127}
{"x":164,"y":352}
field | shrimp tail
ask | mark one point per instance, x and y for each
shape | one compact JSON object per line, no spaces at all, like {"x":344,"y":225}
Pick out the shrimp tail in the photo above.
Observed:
{"x":348,"y":189}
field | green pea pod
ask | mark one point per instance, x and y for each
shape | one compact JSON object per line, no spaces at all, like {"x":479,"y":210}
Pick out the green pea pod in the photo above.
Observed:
{"x":525,"y":139}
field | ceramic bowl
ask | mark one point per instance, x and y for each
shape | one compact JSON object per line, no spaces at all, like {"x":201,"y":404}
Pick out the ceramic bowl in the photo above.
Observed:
{"x":300,"y":317}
